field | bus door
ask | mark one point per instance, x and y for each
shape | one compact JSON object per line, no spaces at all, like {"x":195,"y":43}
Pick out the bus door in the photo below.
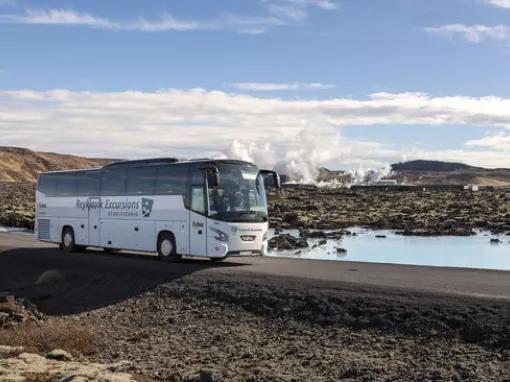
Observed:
{"x":197,"y":217}
{"x":94,"y":220}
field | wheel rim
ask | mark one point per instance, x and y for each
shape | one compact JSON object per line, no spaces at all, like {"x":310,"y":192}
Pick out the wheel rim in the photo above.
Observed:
{"x":166,"y":248}
{"x":68,"y":239}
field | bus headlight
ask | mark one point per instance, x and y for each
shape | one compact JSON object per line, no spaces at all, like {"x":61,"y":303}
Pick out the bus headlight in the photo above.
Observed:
{"x":220,"y":235}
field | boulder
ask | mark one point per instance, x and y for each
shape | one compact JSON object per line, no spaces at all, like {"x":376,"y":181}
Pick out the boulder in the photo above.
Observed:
{"x":39,"y":368}
{"x":287,"y":242}
{"x":59,"y":355}
{"x":341,"y":251}
{"x":10,"y":350}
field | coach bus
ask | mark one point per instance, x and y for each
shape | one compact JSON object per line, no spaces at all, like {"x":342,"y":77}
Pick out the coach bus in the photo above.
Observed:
{"x":208,"y":208}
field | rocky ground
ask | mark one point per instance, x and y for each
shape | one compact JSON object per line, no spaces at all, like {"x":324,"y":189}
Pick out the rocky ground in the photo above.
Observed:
{"x":410,"y":212}
{"x":198,"y":321}
{"x":253,"y":331}
{"x":17,"y":205}
{"x":24,"y":332}
{"x":184,"y":332}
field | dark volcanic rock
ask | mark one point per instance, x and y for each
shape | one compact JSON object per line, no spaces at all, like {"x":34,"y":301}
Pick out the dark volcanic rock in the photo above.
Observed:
{"x":17,"y":205}
{"x":431,"y":213}
{"x":287,"y":242}
{"x":341,"y":251}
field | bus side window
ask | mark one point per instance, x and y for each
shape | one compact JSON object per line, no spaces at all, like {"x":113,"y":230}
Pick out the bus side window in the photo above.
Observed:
{"x":173,"y":180}
{"x":141,"y":180}
{"x":113,"y":182}
{"x":89,"y":183}
{"x":67,"y":184}
{"x":197,"y":199}
{"x":198,"y":191}
{"x":47,"y":184}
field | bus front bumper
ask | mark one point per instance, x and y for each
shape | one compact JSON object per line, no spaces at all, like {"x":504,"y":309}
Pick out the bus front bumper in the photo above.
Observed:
{"x":222,"y":250}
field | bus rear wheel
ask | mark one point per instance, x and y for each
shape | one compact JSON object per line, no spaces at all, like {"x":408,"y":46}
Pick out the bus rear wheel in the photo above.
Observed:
{"x":166,"y":248}
{"x":68,"y":244}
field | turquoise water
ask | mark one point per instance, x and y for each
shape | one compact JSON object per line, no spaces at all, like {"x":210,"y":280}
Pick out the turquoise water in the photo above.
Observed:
{"x":447,"y":251}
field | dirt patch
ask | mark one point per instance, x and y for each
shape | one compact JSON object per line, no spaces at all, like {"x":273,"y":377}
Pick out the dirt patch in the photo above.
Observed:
{"x":22,"y":325}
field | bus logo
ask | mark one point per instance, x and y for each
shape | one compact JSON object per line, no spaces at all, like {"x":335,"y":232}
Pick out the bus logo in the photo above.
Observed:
{"x":147,"y":207}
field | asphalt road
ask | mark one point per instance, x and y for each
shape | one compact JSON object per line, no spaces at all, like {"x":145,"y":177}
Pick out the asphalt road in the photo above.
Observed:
{"x":31,"y":268}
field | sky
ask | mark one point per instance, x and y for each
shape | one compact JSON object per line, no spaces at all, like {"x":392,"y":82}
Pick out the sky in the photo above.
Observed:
{"x":288,"y":84}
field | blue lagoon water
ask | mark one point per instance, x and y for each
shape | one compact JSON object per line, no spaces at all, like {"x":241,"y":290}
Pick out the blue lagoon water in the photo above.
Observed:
{"x":447,"y":251}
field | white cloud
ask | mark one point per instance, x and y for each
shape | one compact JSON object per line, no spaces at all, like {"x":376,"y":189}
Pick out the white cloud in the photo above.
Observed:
{"x":323,"y":4}
{"x":278,"y":13}
{"x":500,"y":141}
{"x":297,"y":10}
{"x":271,"y":86}
{"x":286,"y":11}
{"x":272,"y":131}
{"x":473,"y":33}
{"x":499,"y":3}
{"x":73,"y":18}
{"x":167,"y":22}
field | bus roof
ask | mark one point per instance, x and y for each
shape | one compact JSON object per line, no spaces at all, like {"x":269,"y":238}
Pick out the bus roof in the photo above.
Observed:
{"x":159,"y":161}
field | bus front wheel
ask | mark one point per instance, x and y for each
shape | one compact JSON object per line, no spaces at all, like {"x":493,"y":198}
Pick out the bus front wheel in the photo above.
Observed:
{"x":166,"y":248}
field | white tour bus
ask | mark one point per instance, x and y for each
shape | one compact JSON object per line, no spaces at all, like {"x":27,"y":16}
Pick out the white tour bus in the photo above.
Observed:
{"x":209,"y":208}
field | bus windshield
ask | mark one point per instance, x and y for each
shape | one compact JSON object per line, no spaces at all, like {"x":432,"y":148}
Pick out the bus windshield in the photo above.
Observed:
{"x":239,"y":196}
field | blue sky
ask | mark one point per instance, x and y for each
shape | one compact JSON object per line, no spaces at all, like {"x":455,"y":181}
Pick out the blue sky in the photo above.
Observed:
{"x":453,"y":54}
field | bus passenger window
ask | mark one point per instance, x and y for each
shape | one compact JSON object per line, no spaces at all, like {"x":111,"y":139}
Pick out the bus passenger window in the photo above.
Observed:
{"x":197,"y":199}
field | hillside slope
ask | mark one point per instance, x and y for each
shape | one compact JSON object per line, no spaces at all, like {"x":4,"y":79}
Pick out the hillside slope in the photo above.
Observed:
{"x":20,"y":165}
{"x":432,"y":165}
{"x":448,"y":173}
{"x":421,"y":172}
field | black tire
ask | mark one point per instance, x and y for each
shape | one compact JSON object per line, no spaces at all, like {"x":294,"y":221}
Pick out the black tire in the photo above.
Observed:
{"x":68,"y":244}
{"x":167,"y":250}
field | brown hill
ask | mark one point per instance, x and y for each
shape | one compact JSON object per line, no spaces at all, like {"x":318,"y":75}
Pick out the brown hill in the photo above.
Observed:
{"x":448,"y":173}
{"x":20,"y":165}
{"x":422,"y":172}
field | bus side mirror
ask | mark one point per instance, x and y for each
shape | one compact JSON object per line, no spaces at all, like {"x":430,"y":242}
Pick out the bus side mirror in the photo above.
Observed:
{"x":276,"y":178}
{"x":215,"y":178}
{"x":277,"y":181}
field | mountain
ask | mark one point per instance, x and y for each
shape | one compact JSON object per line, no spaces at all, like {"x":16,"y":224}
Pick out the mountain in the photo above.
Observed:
{"x":448,"y":173}
{"x":431,"y":165}
{"x":421,"y":172}
{"x":20,"y":165}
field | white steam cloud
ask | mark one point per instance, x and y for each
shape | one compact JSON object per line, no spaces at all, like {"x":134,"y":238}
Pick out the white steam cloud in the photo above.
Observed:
{"x":299,"y":157}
